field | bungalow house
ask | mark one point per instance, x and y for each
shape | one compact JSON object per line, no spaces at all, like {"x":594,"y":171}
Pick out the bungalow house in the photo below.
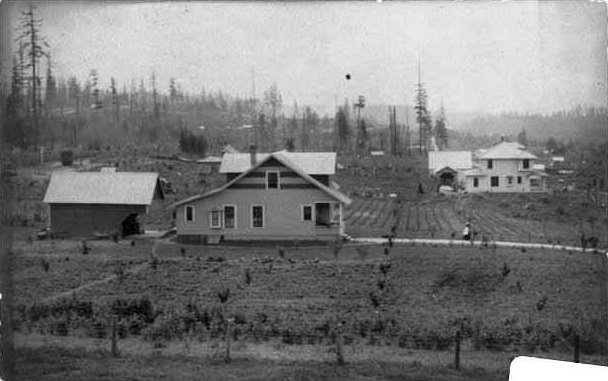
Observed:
{"x":449,"y":166}
{"x":267,"y":196}
{"x":86,"y":203}
{"x":506,"y":167}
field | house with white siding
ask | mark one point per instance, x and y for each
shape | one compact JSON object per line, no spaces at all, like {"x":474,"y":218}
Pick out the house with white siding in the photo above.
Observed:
{"x":267,"y":196}
{"x":450,"y":166}
{"x":506,"y":168}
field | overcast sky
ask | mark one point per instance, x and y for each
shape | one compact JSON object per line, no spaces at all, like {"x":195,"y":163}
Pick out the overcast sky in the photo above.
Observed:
{"x":475,"y":56}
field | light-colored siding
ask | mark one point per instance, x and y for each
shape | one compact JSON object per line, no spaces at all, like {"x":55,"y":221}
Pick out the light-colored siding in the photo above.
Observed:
{"x":503,"y":168}
{"x":282,"y":214}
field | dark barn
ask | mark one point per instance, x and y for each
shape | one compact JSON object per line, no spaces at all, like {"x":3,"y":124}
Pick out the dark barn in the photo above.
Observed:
{"x":88,"y":203}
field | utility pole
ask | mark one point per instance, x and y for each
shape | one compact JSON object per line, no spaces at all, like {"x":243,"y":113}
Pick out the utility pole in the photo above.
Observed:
{"x":419,"y":95}
{"x":359,"y":105}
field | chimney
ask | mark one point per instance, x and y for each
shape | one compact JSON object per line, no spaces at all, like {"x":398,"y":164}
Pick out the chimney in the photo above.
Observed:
{"x":252,"y":154}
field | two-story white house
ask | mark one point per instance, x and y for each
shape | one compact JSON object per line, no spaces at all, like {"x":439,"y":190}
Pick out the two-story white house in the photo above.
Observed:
{"x":506,"y":167}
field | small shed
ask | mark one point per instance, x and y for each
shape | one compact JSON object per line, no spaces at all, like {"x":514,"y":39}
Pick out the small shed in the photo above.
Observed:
{"x":210,"y":164}
{"x":86,"y":203}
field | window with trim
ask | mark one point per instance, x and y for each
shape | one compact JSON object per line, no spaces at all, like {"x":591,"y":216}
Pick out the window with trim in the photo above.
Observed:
{"x":509,"y":180}
{"x":490,"y":164}
{"x":306,"y":212}
{"x":526,"y":163}
{"x":229,"y":216}
{"x":475,"y":182}
{"x":215,"y":219}
{"x":494,"y":181}
{"x":257,"y":216}
{"x":272,"y":180}
{"x":189,"y":213}
{"x":519,"y":179}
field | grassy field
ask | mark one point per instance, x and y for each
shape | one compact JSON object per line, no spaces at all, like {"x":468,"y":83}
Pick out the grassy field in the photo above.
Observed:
{"x":502,"y":300}
{"x":58,"y":363}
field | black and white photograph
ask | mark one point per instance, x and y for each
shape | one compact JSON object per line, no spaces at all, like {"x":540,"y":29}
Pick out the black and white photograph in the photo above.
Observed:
{"x":304,"y":190}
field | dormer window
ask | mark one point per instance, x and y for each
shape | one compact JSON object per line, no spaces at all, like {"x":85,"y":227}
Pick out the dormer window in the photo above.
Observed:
{"x":272,"y":180}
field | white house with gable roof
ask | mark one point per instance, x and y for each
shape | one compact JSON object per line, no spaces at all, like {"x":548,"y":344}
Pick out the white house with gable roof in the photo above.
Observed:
{"x":267,"y":196}
{"x":506,"y":167}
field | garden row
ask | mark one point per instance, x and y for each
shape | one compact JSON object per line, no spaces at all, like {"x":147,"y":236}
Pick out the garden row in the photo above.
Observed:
{"x":445,"y":218}
{"x":414,"y":297}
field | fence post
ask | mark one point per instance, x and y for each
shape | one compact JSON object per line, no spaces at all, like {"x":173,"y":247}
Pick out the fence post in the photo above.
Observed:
{"x":114,"y":334}
{"x":228,"y":334}
{"x":339,"y":345}
{"x":576,"y":348}
{"x":457,"y":351}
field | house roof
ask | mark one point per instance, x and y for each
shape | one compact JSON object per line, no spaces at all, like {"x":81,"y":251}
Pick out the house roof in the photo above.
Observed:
{"x":312,"y":163}
{"x":126,"y":188}
{"x":284,"y":159}
{"x":453,"y":159}
{"x":210,"y":160}
{"x":507,"y":150}
{"x":229,"y":149}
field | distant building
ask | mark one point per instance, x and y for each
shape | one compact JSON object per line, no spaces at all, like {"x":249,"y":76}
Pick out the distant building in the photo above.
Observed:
{"x":210,"y":164}
{"x":86,"y":203}
{"x":506,"y":167}
{"x":267,"y":196}
{"x":450,"y":166}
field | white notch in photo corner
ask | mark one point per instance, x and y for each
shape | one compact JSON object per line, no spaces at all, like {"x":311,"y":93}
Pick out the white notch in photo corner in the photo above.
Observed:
{"x":525,"y":368}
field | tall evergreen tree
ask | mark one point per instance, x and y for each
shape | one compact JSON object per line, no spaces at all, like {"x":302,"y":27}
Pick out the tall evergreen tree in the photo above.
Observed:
{"x":522,"y":137}
{"x":51,"y":85}
{"x":155,"y":103}
{"x":35,"y":48}
{"x":342,"y":125}
{"x":95,"y":93}
{"x":423,"y":117}
{"x":441,"y":132}
{"x":115,"y":100}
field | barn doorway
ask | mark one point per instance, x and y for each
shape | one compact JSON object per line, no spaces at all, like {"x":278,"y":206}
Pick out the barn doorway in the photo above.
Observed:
{"x":130,"y":225}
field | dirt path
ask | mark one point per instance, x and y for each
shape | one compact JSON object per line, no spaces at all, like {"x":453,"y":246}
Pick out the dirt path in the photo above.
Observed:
{"x":462,"y":243}
{"x":108,"y":279}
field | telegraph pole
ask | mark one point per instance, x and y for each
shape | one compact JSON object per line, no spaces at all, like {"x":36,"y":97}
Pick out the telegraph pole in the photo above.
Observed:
{"x":359,"y":105}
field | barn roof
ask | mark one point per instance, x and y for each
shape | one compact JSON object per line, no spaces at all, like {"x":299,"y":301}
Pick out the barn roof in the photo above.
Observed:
{"x":507,"y":150}
{"x":312,"y":163}
{"x":454,"y":159}
{"x":283,"y":159}
{"x":125,"y":188}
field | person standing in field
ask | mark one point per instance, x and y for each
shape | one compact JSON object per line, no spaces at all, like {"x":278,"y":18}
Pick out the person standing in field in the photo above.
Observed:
{"x":466,"y":234}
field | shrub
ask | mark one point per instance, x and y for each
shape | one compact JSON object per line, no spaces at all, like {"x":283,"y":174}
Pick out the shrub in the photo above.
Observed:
{"x":45,"y":265}
{"x":97,"y":329}
{"x":223,"y":294}
{"x":60,"y":327}
{"x":402,"y":341}
{"x":140,"y":308}
{"x":239,"y":318}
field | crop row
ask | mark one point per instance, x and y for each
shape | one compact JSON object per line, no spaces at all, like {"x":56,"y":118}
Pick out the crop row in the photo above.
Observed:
{"x":446,"y":219}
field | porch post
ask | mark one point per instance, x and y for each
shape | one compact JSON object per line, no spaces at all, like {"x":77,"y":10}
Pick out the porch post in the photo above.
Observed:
{"x":341,"y":220}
